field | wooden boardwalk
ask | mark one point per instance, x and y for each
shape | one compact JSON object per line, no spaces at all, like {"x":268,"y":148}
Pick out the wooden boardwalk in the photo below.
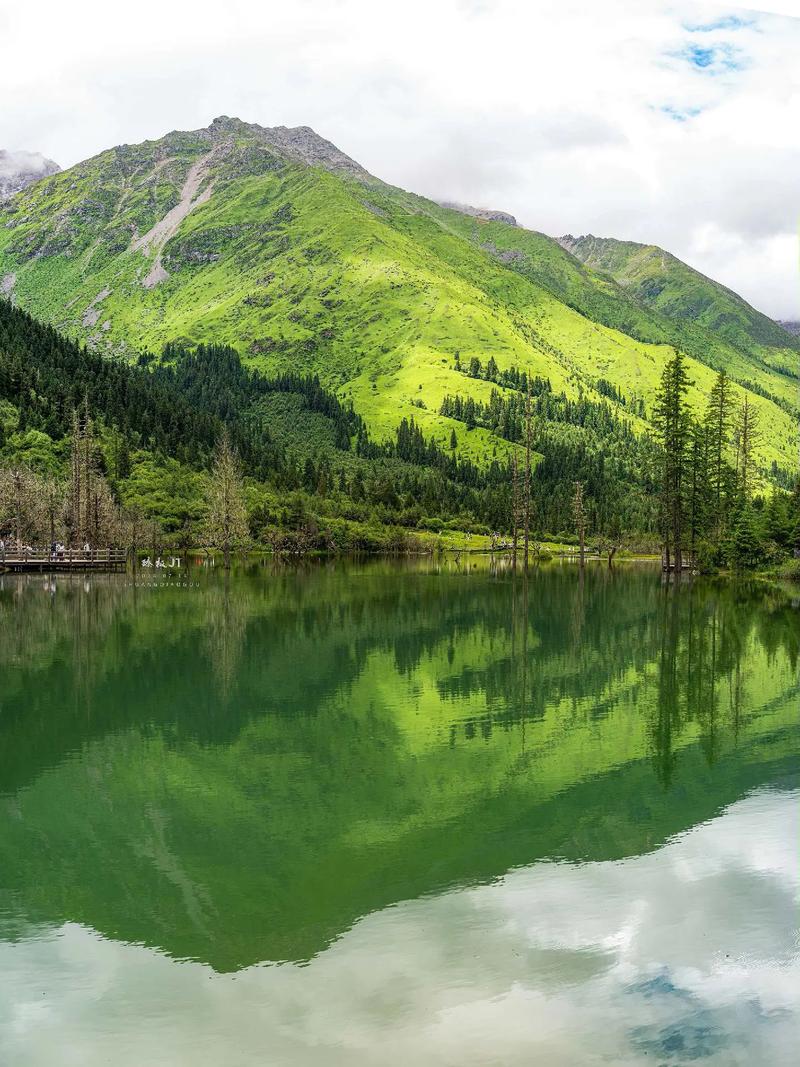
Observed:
{"x":71,"y":559}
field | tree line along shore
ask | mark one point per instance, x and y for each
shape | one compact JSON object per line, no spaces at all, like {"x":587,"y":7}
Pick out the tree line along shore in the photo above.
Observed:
{"x":193,"y":449}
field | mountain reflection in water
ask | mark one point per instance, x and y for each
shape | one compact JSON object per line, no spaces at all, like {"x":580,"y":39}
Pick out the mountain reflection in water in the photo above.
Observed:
{"x":439,"y":801}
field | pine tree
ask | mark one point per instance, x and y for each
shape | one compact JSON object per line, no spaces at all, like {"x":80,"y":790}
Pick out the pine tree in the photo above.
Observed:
{"x":779,"y":522}
{"x":718,"y":419}
{"x":121,"y":454}
{"x":698,"y":494}
{"x":745,"y":548}
{"x":672,"y":423}
{"x":310,"y":475}
{"x":514,"y":508}
{"x":747,"y":437}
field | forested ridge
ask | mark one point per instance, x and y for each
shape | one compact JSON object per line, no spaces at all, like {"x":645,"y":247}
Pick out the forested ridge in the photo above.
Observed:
{"x":166,"y":416}
{"x":109,"y":450}
{"x":711,"y":507}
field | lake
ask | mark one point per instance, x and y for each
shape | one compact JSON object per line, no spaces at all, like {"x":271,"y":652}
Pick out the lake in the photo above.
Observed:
{"x":398,"y":813}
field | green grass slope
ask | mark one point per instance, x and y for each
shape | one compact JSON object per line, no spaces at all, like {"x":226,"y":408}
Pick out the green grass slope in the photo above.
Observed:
{"x":276,"y":243}
{"x":659,"y":281}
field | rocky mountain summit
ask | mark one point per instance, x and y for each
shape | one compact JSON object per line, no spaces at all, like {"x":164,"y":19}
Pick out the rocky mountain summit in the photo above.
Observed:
{"x":20,"y":169}
{"x":298,"y":144}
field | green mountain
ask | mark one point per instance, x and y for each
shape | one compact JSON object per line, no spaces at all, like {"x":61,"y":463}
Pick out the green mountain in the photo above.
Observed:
{"x":688,"y":299}
{"x":274,"y":242}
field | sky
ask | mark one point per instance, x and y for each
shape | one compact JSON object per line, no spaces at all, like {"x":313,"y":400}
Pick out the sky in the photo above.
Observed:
{"x":664,"y":122}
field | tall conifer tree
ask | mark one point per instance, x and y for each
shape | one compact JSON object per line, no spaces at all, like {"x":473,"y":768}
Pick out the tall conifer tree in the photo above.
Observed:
{"x":718,"y":420}
{"x":672,"y":422}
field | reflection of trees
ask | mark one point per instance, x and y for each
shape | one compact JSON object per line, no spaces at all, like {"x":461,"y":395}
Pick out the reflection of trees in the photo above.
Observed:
{"x":279,"y":757}
{"x":565,"y":639}
{"x":81,"y":662}
{"x":223,"y":636}
{"x":59,"y":636}
{"x":667,"y":704}
{"x":708,"y":679}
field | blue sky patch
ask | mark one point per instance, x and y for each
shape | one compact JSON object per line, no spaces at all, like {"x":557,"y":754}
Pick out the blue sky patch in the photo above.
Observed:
{"x":726,"y":22}
{"x":712,"y":59}
{"x":680,"y":114}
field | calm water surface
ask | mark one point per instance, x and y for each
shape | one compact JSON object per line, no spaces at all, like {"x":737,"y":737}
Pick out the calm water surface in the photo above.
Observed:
{"x":397,"y":814}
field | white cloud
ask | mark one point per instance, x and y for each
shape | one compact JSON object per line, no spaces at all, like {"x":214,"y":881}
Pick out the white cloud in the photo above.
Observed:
{"x":556,"y":963}
{"x":663,"y":122}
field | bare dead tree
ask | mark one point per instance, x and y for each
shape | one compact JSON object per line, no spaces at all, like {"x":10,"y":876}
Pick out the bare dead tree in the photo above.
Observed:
{"x":515,"y":508}
{"x":527,"y":471}
{"x":226,"y":523}
{"x":579,"y":513}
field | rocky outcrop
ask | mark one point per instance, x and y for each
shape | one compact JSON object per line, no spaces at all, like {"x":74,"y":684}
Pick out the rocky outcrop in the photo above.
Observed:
{"x":20,"y":169}
{"x":569,"y":242}
{"x":791,"y":327}
{"x":507,"y":256}
{"x":92,"y":312}
{"x":587,"y":246}
{"x":486,"y":214}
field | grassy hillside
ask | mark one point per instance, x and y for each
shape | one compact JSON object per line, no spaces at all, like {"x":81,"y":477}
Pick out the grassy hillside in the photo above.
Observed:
{"x":658,"y":281}
{"x":276,"y":244}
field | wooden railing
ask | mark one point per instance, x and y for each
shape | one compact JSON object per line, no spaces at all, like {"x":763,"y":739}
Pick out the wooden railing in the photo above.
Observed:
{"x":688,"y":562}
{"x":33,"y":556}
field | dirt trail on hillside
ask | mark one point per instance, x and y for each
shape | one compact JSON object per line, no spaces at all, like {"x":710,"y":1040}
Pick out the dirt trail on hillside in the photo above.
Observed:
{"x":165,"y":228}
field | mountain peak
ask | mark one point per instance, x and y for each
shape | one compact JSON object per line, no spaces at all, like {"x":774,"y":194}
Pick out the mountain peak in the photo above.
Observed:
{"x":19,"y":169}
{"x":300,"y":144}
